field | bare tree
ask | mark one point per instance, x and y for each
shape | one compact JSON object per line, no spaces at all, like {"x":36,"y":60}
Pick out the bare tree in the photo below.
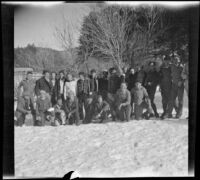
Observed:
{"x":66,"y":37}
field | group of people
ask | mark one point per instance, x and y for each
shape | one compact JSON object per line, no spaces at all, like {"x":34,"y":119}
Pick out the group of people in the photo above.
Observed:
{"x":60,"y":99}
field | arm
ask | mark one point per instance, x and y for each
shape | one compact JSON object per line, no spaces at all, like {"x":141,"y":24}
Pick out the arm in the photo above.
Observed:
{"x":128,"y":100}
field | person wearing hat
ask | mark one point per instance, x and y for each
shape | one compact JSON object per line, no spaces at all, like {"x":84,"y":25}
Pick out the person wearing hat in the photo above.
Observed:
{"x":177,"y":89}
{"x":151,"y":82}
{"x":23,"y":108}
{"x":72,"y":109}
{"x":165,"y":83}
{"x":141,"y":100}
{"x":122,"y":103}
{"x":44,"y":84}
{"x":101,"y":109}
{"x":83,"y":90}
{"x":43,"y":103}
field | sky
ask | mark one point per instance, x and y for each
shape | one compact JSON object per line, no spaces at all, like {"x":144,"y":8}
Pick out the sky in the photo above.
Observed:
{"x":36,"y":24}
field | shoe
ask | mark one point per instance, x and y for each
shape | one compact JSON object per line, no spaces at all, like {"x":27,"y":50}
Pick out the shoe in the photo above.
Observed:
{"x":157,"y":115}
{"x":178,"y":116}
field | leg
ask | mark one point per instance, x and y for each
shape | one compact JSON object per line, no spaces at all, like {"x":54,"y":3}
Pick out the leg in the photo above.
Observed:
{"x":127,"y":112}
{"x":151,"y":92}
{"x":180,"y":101}
{"x":173,"y":96}
{"x":138,"y":112}
{"x":21,"y":120}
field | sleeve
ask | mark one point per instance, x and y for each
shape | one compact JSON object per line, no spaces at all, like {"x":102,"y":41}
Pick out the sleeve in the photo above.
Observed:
{"x":105,"y":106}
{"x":145,"y":93}
{"x":37,"y":87}
{"x":97,"y":85}
{"x":20,"y":89}
{"x":128,"y":101}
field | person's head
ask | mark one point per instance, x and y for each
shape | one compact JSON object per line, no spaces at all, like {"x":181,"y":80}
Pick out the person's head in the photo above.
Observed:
{"x":69,"y":77}
{"x":151,"y":66}
{"x":138,"y":68}
{"x":46,"y":74}
{"x":53,"y":75}
{"x":132,"y":71}
{"x":123,"y":87}
{"x":125,"y":69}
{"x":166,"y":61}
{"x":105,"y":74}
{"x":138,"y":84}
{"x":61,"y":74}
{"x":113,"y":71}
{"x":29,"y":75}
{"x":59,"y":102}
{"x":93,"y":73}
{"x":42,"y":94}
{"x":82,"y":75}
{"x":99,"y":99}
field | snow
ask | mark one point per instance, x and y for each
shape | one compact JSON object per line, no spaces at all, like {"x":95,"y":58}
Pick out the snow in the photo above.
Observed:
{"x":112,"y":149}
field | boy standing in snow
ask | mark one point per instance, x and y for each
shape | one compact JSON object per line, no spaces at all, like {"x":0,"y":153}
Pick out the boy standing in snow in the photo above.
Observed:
{"x":42,"y":105}
{"x":141,"y":100}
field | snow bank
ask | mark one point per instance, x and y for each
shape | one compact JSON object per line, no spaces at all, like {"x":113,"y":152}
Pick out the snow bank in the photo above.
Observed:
{"x":135,"y":148}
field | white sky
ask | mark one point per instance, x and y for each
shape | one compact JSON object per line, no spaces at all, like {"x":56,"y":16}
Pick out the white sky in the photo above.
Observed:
{"x":35,"y":24}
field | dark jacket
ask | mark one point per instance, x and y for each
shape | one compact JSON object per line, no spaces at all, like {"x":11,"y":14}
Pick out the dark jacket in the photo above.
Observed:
{"x":42,"y":105}
{"x":43,"y":84}
{"x":94,"y":86}
{"x":141,"y":76}
{"x":103,"y":84}
{"x":131,"y":79}
{"x":114,"y":84}
{"x":57,"y":88}
{"x":165,"y":75}
{"x":83,"y":87}
{"x":176,"y":71}
{"x":152,"y":78}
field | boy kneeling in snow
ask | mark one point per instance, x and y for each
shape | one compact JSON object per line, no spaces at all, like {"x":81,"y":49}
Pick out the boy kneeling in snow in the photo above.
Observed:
{"x":59,"y":113}
{"x":101,"y":109}
{"x":43,"y":104}
{"x":23,"y":109}
{"x":72,"y":109}
{"x":141,"y":101}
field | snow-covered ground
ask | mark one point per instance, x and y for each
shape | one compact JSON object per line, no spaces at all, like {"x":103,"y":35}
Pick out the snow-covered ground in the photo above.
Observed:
{"x":112,"y":149}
